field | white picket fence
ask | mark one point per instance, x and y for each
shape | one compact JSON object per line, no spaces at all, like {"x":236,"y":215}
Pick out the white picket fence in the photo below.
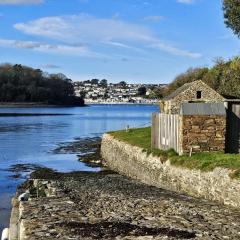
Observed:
{"x":165,"y":131}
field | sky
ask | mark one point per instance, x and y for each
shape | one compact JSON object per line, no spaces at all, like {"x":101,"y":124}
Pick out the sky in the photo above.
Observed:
{"x":138,"y":41}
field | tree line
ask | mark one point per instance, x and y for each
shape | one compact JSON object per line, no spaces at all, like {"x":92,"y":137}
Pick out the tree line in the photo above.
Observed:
{"x":224,"y":77}
{"x":25,"y":84}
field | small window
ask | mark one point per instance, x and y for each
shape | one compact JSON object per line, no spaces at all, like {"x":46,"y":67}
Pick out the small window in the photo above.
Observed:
{"x":199,"y":94}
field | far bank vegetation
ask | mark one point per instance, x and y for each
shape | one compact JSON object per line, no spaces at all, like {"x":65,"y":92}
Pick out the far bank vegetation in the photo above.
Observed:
{"x":224,"y":77}
{"x":22,"y":84}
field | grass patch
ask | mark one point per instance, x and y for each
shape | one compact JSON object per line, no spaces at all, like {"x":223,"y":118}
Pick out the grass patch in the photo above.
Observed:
{"x":208,"y":161}
{"x":141,"y":137}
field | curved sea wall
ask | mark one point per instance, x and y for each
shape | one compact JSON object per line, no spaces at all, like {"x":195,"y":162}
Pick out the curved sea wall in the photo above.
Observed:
{"x":133,"y":162}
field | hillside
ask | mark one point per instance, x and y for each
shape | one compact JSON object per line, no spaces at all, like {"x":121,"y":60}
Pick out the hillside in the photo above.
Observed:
{"x":224,"y":77}
{"x":22,"y":84}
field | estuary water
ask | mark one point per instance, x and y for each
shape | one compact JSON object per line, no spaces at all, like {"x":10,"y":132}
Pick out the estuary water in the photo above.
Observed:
{"x":28,"y":140}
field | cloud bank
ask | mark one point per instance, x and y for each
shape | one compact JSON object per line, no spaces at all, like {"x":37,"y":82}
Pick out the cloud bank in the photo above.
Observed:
{"x":50,"y":48}
{"x":155,"y":18}
{"x":185,"y":1}
{"x":20,"y":2}
{"x":86,"y":30}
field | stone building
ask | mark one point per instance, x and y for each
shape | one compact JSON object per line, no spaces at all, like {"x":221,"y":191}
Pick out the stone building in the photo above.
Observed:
{"x":192,"y":119}
{"x":199,"y":127}
{"x":196,"y":91}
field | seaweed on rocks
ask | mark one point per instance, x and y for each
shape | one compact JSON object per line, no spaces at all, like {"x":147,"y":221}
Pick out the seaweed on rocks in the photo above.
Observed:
{"x":22,"y":171}
{"x":87,"y":150}
{"x":110,"y":230}
{"x":45,"y":173}
{"x":79,"y":145}
{"x":24,"y":167}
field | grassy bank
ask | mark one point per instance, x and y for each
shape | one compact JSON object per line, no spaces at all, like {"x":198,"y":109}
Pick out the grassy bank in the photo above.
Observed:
{"x":141,"y":137}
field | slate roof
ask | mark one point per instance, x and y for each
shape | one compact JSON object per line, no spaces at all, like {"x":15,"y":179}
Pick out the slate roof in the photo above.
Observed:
{"x":178,"y":91}
{"x":184,"y":87}
{"x":203,"y":109}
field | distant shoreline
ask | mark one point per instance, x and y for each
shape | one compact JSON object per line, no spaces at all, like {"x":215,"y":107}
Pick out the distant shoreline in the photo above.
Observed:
{"x":32,"y":114}
{"x":32,"y":104}
{"x":45,"y":105}
{"x":118,"y":103}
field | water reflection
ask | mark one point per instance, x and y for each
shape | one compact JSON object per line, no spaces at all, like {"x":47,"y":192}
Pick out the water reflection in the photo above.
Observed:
{"x":5,"y":208}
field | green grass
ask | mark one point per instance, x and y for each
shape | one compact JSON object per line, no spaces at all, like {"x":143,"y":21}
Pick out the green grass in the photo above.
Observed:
{"x":141,"y":137}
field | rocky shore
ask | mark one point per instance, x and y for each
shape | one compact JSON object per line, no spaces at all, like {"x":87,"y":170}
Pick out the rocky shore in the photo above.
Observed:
{"x":106,"y":205}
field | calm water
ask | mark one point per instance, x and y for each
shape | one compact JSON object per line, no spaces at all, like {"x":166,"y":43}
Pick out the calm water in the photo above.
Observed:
{"x":31,"y":140}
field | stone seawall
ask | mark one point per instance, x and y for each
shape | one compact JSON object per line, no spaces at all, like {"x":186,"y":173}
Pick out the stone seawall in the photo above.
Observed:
{"x":133,"y":162}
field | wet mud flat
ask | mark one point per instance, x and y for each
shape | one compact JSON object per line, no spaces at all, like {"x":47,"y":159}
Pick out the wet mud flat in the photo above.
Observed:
{"x":106,"y":205}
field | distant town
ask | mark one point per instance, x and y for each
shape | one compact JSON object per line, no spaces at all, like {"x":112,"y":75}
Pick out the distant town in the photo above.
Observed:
{"x":100,"y":91}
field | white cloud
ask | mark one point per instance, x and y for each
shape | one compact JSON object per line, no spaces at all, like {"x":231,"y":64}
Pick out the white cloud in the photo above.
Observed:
{"x":153,"y":18}
{"x":86,"y":29}
{"x":123,"y":45}
{"x":20,"y":2}
{"x":50,"y":48}
{"x":176,"y":51}
{"x":186,"y":1}
{"x":50,"y":66}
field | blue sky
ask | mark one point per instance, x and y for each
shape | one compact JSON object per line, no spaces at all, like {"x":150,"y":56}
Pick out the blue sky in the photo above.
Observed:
{"x":141,"y":41}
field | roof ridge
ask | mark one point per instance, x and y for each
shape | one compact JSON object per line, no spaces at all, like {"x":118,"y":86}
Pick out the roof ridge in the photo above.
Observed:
{"x":181,"y":89}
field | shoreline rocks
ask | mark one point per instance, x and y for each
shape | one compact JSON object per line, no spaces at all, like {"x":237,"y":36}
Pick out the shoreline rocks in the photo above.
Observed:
{"x":106,"y":205}
{"x":87,"y":150}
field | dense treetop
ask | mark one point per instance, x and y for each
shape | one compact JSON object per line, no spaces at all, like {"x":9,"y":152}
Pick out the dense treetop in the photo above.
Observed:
{"x":231,"y":10}
{"x":224,"y":77}
{"x":142,"y":91}
{"x":24,"y":84}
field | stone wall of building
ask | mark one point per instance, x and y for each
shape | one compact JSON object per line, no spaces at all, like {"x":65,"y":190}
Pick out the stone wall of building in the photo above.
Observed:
{"x":134,"y":162}
{"x":203,"y":133}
